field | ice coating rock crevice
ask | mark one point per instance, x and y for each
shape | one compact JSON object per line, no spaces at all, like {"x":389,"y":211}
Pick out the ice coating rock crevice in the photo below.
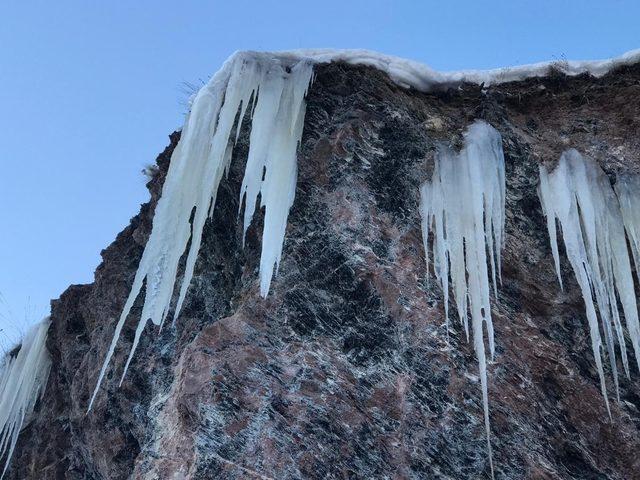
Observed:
{"x":23,"y":378}
{"x":463,"y":207}
{"x":275,"y":87}
{"x":579,"y":195}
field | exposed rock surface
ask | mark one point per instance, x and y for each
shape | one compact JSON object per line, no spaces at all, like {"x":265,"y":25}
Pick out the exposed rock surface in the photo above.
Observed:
{"x":344,"y":370}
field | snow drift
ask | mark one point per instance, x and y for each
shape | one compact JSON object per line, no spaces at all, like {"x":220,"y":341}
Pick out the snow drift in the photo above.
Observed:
{"x":23,"y":377}
{"x":579,"y":195}
{"x":463,"y":207}
{"x":412,"y":74}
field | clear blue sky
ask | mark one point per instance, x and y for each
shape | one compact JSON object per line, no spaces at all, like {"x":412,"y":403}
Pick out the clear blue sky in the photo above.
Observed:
{"x":89,"y":92}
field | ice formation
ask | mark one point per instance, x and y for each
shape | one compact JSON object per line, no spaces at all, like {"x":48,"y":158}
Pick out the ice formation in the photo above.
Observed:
{"x":23,"y":378}
{"x":463,"y":207}
{"x":275,"y":88}
{"x":627,"y":188}
{"x":579,"y":195}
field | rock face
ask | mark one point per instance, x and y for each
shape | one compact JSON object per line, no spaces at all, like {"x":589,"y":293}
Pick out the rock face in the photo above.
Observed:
{"x":344,"y":371}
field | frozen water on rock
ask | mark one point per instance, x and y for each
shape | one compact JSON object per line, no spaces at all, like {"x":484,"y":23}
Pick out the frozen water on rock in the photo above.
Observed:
{"x":579,"y":195}
{"x":463,"y":207}
{"x":275,"y":86}
{"x":23,"y":378}
{"x":627,"y":188}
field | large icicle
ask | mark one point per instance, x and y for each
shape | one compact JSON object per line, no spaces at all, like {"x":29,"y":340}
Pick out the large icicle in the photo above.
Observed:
{"x":463,"y":206}
{"x":579,"y":195}
{"x":627,"y":188}
{"x":276,"y":86}
{"x":23,"y":378}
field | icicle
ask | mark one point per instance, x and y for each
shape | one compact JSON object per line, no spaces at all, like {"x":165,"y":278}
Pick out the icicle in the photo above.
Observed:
{"x":23,"y":378}
{"x":579,"y":195}
{"x":627,"y":188}
{"x":463,"y":206}
{"x":278,"y":86}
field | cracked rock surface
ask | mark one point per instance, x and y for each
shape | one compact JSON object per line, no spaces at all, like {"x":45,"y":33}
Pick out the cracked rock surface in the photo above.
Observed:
{"x":344,"y":371}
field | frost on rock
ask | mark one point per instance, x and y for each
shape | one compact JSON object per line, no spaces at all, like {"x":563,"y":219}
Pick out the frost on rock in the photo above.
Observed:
{"x":463,"y":207}
{"x":578,"y":194}
{"x":23,"y":378}
{"x":275,"y":88}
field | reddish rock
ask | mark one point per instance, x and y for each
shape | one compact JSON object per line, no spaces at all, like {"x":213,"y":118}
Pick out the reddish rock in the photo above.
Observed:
{"x":345,"y":371}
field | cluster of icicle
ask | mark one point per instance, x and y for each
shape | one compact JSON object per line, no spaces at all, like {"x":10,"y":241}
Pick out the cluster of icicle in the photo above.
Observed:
{"x":274,"y":88}
{"x":23,"y":377}
{"x":593,"y":219}
{"x":463,"y":206}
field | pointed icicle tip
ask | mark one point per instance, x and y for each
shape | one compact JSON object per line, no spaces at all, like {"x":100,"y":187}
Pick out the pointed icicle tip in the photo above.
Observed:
{"x":462,"y":207}
{"x":275,"y":86}
{"x":594,"y":218}
{"x":23,"y":379}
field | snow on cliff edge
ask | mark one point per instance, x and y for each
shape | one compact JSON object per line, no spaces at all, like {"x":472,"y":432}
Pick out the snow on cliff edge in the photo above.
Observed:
{"x":409,"y":73}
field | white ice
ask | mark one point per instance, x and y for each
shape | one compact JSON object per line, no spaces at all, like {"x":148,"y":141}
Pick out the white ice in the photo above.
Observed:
{"x":627,"y":188}
{"x":463,"y":207}
{"x":579,"y":195}
{"x":276,"y":88}
{"x":23,"y":378}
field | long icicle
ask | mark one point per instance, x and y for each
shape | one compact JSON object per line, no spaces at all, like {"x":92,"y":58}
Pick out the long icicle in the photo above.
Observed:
{"x":463,"y":205}
{"x":578,"y":194}
{"x":23,"y":378}
{"x":278,"y":86}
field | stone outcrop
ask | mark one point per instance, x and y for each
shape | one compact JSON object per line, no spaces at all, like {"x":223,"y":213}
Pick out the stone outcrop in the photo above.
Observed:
{"x":344,"y":370}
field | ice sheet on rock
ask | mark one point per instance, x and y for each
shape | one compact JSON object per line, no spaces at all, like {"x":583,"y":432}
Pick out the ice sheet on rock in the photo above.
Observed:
{"x":276,"y":87}
{"x":23,"y":378}
{"x":579,"y":195}
{"x":463,"y":208}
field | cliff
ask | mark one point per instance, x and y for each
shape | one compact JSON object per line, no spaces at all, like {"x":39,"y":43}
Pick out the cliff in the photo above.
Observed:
{"x":344,"y":370}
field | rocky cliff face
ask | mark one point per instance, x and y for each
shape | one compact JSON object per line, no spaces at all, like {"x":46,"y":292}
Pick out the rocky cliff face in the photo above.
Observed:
{"x":344,"y":371}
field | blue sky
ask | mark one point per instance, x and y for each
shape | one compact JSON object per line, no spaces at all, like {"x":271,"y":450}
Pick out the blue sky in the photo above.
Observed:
{"x":89,"y":92}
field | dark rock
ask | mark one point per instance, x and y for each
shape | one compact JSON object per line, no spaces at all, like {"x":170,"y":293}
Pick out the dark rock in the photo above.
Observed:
{"x":344,"y":371}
